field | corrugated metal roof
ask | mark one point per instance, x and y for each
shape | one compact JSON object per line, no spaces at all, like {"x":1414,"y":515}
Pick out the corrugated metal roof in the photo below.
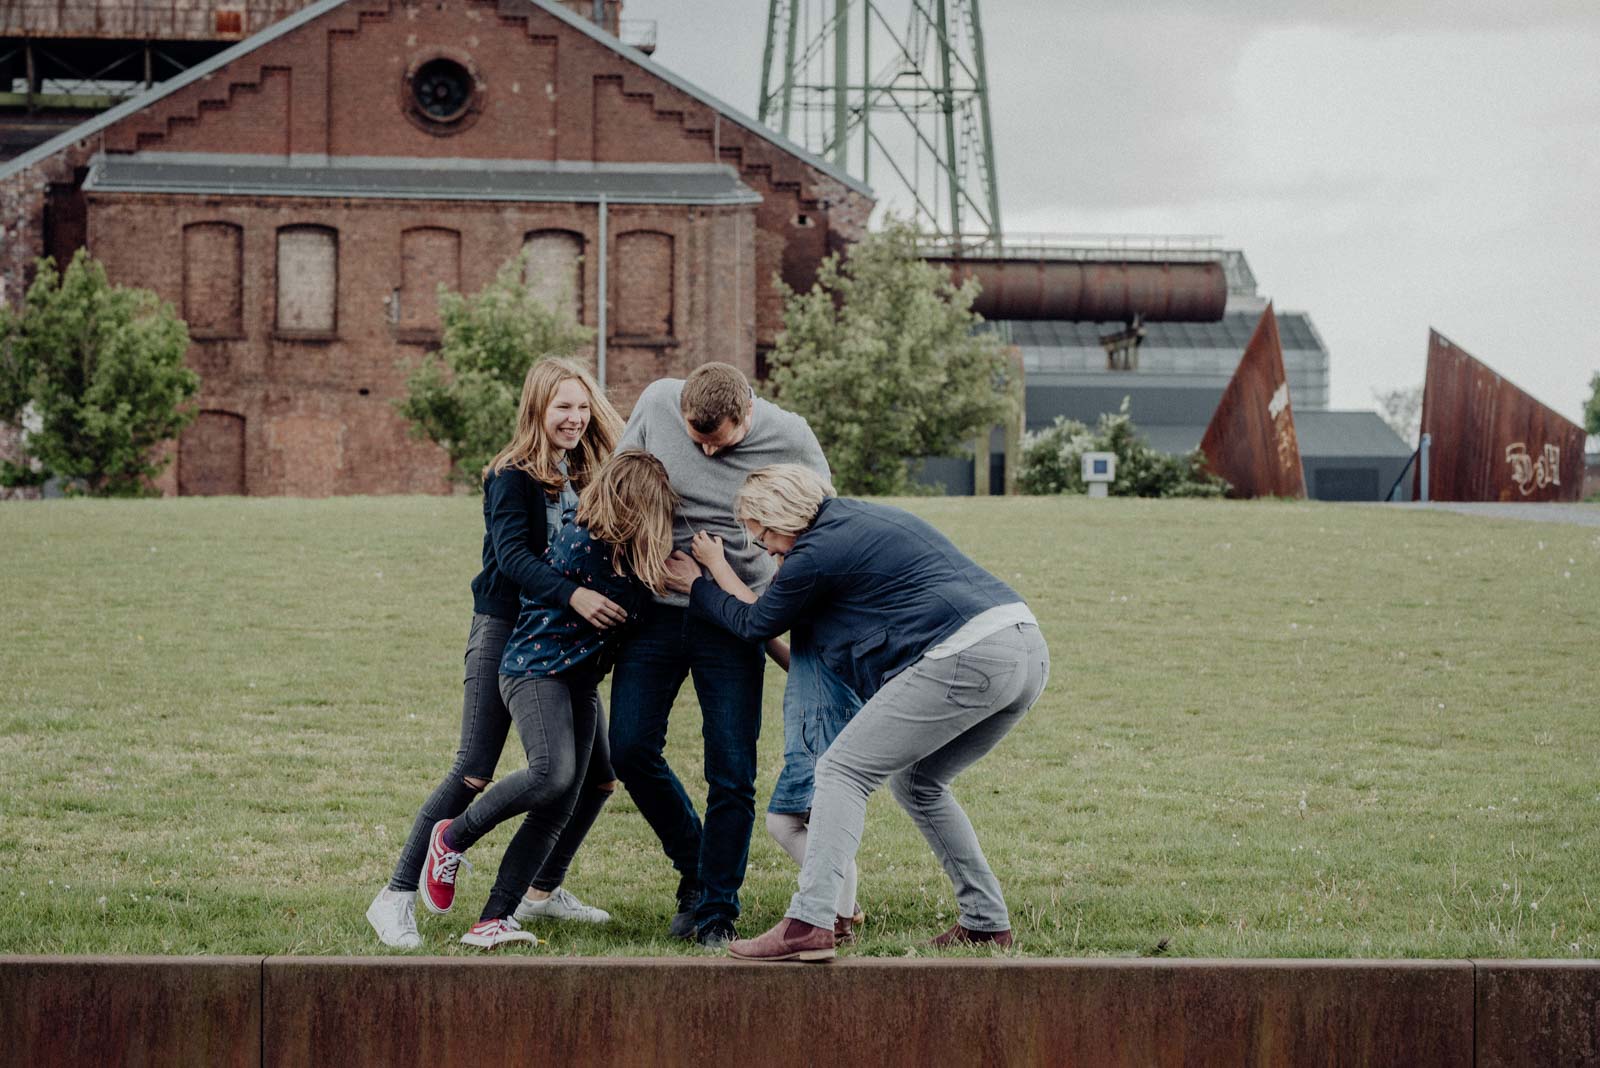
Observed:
{"x":460,"y":179}
{"x":1346,"y":434}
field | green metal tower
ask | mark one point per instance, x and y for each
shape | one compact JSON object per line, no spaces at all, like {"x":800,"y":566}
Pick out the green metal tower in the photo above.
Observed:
{"x":916,"y":126}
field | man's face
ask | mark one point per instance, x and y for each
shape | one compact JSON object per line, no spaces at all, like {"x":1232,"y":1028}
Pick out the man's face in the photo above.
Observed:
{"x":726,"y":436}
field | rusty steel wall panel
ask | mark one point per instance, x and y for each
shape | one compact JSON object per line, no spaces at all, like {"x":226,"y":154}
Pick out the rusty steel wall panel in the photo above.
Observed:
{"x":714,"y":1011}
{"x":140,"y":20}
{"x":1490,"y":440}
{"x":130,"y":1011}
{"x":1095,"y":291}
{"x":1538,"y":1012}
{"x":1251,"y":440}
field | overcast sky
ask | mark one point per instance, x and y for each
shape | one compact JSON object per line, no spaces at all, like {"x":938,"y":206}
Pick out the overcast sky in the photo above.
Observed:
{"x":1386,"y":165}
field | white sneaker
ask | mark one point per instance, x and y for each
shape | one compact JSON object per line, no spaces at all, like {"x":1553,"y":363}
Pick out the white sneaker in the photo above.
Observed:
{"x":487,"y":934}
{"x":393,"y":915}
{"x":560,"y":905}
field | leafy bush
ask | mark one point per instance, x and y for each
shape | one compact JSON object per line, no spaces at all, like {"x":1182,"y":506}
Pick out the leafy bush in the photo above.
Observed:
{"x":464,"y":396}
{"x":94,"y":374}
{"x":884,"y":360}
{"x":1052,"y":461}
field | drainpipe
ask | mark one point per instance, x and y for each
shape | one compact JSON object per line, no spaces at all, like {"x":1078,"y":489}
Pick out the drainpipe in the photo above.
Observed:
{"x":605,"y":255}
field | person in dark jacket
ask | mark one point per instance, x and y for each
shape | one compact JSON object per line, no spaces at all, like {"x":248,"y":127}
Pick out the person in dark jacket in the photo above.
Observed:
{"x":565,"y":430}
{"x":947,"y":658}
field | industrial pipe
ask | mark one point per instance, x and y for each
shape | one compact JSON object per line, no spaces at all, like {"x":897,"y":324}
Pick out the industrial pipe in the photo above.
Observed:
{"x":1095,"y":291}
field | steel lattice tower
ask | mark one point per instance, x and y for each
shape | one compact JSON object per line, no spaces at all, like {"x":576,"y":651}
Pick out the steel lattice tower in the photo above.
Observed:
{"x":922,"y":113}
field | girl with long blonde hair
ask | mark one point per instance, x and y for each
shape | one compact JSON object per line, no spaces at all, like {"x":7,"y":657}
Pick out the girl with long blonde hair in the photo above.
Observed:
{"x":550,"y":673}
{"x":565,"y":430}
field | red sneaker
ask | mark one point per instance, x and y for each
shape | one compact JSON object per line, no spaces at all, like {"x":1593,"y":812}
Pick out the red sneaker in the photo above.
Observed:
{"x":965,"y":936}
{"x":791,"y":940}
{"x":438,"y":877}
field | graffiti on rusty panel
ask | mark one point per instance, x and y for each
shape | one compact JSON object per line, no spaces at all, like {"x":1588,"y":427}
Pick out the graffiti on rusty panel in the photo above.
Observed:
{"x":1251,"y":440}
{"x":1490,"y":440}
{"x":1529,"y":473}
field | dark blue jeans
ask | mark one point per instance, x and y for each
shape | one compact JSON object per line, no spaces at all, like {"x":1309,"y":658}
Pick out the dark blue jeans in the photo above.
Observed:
{"x":667,"y":647}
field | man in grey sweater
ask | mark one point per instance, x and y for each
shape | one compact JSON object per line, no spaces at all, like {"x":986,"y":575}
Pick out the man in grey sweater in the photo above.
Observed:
{"x":711,"y":432}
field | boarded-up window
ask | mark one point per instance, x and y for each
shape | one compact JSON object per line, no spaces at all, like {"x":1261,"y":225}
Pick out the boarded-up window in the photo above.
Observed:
{"x":308,"y":279}
{"x":555,"y":270}
{"x":213,"y":274}
{"x":430,"y":256}
{"x":211,"y":456}
{"x":641,"y":285}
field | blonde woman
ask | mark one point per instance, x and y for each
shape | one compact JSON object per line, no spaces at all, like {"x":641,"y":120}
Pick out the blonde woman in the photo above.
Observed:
{"x":565,"y":430}
{"x":550,"y":672}
{"x":947,"y":657}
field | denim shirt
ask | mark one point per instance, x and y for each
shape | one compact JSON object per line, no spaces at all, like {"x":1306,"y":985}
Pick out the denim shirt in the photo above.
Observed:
{"x":550,"y":641}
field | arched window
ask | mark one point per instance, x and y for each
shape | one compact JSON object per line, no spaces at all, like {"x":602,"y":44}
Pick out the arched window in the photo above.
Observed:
{"x":554,"y":272}
{"x":430,"y":256}
{"x":641,"y":285}
{"x":211,"y":456}
{"x":308,"y":280}
{"x":213,"y":276}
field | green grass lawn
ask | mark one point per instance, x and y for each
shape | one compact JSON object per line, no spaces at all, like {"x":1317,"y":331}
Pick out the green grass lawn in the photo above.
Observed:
{"x":1272,"y":729}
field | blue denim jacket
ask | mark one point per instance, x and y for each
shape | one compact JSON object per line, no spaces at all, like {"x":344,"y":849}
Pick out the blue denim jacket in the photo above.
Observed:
{"x":554,"y":640}
{"x":879,"y":586}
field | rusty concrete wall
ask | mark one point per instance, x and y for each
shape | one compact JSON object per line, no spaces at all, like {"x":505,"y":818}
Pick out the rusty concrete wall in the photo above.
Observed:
{"x":1492,"y":441}
{"x":1251,"y":440}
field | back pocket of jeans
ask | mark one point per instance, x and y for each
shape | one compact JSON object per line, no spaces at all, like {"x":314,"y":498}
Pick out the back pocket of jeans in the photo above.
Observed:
{"x":977,"y":679}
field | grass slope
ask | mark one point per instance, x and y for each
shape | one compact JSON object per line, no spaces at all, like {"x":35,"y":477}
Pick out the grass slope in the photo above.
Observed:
{"x":1272,"y":729}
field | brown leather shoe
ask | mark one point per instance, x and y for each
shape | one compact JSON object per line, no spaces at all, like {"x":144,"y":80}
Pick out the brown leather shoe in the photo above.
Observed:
{"x":962,"y":936}
{"x":844,"y":929}
{"x":791,"y":939}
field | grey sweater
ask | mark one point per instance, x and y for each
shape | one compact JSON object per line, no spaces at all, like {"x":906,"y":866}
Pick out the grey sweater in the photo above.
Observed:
{"x":707,"y":484}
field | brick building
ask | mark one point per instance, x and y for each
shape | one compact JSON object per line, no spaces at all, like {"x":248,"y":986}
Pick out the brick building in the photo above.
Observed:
{"x":300,"y":197}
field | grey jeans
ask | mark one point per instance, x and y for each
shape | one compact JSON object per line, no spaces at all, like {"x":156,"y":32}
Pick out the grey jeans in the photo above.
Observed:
{"x":925,"y":727}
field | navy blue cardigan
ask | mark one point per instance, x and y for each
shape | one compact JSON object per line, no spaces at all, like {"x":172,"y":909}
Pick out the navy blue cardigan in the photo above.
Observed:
{"x":513,"y":548}
{"x":880,"y":587}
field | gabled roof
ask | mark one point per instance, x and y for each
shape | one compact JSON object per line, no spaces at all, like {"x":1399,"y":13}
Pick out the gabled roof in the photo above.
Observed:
{"x":316,"y":10}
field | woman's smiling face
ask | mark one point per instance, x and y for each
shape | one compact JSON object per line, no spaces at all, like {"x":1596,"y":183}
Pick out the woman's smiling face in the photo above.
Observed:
{"x":568,"y":415}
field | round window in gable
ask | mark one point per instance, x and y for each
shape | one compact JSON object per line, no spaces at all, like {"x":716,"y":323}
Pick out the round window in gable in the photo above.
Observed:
{"x":442,"y":94}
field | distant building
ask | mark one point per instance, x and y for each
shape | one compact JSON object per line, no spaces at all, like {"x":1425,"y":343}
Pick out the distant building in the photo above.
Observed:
{"x":301,"y":197}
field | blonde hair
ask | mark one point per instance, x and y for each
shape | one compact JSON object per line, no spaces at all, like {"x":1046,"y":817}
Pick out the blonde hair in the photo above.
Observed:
{"x":629,"y":506}
{"x":530,"y":449}
{"x":714,"y":392}
{"x":782,"y":497}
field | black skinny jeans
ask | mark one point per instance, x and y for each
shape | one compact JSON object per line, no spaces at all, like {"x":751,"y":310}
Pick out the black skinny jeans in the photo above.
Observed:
{"x":485,"y":722}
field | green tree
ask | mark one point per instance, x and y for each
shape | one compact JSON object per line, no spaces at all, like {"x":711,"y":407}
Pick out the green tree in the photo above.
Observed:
{"x":464,"y":396}
{"x":1591,"y":408}
{"x":94,"y":373}
{"x":1052,"y":461}
{"x":884,"y":359}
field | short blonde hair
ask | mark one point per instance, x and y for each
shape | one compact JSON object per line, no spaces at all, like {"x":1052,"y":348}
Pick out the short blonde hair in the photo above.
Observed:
{"x":784,"y":498}
{"x":629,"y":506}
{"x":712,"y":393}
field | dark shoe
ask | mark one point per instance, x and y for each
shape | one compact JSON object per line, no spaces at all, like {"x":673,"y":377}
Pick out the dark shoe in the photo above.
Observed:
{"x":682,"y":925}
{"x":962,"y":936}
{"x":791,"y":940}
{"x":716,"y":933}
{"x":844,"y":928}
